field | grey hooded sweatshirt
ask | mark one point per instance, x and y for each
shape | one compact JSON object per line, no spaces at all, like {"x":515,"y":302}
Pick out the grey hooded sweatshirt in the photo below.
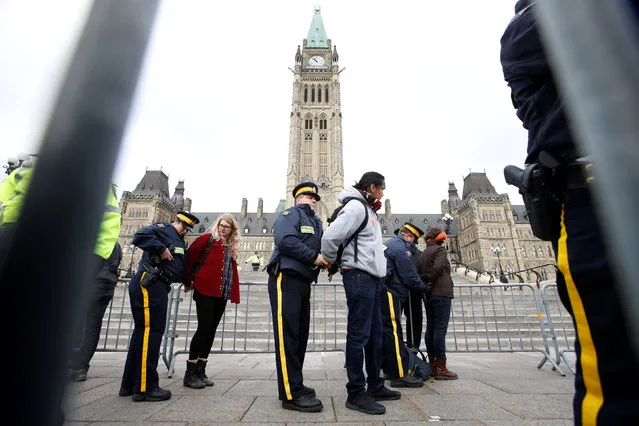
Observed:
{"x":370,"y":249}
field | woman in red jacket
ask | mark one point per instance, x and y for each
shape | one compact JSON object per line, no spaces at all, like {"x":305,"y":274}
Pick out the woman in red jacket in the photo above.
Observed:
{"x":212,"y":274}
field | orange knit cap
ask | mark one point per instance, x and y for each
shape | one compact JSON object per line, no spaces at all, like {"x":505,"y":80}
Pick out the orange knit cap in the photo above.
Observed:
{"x":440,"y":237}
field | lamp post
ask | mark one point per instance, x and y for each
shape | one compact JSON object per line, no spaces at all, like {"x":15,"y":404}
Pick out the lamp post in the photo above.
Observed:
{"x":447,"y":219}
{"x":502,"y":276}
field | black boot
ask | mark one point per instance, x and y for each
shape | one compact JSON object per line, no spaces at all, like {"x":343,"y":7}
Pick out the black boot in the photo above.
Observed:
{"x":192,"y":376}
{"x":201,"y":370}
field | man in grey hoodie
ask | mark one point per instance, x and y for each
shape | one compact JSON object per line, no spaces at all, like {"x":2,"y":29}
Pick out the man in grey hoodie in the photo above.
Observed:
{"x":363,"y":266}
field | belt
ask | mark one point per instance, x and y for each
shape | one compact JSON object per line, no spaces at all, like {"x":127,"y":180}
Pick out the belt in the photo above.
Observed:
{"x":345,"y":270}
{"x":574,"y":176}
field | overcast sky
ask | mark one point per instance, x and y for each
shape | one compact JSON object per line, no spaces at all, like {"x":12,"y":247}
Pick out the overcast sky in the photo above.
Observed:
{"x":423,"y":95}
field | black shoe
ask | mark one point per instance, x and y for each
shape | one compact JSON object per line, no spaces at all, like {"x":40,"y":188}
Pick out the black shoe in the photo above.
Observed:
{"x":78,"y":375}
{"x":309,"y":392}
{"x":192,"y":377}
{"x":157,"y":394}
{"x":364,"y":403}
{"x":384,"y":394}
{"x":124,"y":391}
{"x":305,"y":404}
{"x":201,"y":369}
{"x":407,"y":382}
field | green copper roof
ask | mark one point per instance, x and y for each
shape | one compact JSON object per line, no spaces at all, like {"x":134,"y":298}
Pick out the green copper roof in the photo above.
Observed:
{"x":317,"y":34}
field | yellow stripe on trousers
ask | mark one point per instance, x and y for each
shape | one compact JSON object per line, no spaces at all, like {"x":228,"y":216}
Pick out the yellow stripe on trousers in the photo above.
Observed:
{"x":593,"y":399}
{"x":280,"y":335}
{"x":400,"y":366}
{"x":145,"y":340}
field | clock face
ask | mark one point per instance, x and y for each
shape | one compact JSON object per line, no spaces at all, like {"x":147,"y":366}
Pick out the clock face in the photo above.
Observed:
{"x":316,"y":62}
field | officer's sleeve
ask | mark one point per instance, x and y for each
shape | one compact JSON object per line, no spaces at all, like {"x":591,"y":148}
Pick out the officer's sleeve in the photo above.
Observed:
{"x":407,"y":271}
{"x":147,"y":239}
{"x":524,"y":64}
{"x":287,"y":238}
{"x":345,"y":225}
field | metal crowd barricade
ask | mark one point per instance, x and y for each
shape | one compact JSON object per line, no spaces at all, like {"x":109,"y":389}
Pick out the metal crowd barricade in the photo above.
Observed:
{"x":484,"y":318}
{"x":560,"y":324}
{"x":247,"y":327}
{"x":490,"y":318}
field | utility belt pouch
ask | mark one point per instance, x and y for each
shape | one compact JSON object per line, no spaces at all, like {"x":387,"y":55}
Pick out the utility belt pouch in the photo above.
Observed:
{"x":273,"y":268}
{"x":542,"y":206}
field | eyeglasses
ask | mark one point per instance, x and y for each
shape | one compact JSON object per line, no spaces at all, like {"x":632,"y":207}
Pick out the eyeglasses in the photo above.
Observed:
{"x":225,"y":226}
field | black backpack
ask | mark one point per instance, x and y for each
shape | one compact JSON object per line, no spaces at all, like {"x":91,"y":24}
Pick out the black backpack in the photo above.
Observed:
{"x":336,"y":265}
{"x":417,"y":364}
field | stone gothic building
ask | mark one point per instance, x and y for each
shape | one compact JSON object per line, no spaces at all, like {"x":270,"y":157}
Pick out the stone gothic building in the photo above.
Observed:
{"x":487,"y":233}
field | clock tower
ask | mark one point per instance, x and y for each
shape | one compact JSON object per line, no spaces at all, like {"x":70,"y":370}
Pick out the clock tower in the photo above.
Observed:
{"x":315,"y":145}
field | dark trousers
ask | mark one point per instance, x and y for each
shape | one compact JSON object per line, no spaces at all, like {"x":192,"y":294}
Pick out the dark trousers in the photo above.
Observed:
{"x":290,"y":294}
{"x":88,"y":334}
{"x":148,"y":306}
{"x":364,"y":336}
{"x":412,"y":308}
{"x":209,"y":313}
{"x":437,"y":316}
{"x":100,"y":299}
{"x":606,"y":390}
{"x":395,"y":354}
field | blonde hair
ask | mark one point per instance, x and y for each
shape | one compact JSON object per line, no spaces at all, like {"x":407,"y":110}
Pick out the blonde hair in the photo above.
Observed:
{"x":233,"y":239}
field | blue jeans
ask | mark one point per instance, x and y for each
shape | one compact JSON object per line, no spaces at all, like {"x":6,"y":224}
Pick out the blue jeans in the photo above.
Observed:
{"x":437,"y":315}
{"x":364,"y":337}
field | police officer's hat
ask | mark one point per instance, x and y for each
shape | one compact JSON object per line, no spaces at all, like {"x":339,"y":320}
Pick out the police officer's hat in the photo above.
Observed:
{"x":414,"y":230}
{"x":187,"y":219}
{"x":306,"y":188}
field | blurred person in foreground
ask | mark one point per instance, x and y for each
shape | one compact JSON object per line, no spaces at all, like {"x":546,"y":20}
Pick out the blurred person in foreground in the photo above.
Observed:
{"x":564,"y":213}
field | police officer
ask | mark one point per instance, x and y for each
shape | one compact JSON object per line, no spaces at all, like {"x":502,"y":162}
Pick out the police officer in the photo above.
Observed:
{"x":606,"y":390}
{"x":401,"y":278}
{"x":295,"y":264}
{"x":163,"y":262}
{"x":13,"y":191}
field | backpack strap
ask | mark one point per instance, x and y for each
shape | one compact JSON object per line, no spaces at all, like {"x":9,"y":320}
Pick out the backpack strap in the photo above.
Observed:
{"x":357,"y":231}
{"x":202,"y":258}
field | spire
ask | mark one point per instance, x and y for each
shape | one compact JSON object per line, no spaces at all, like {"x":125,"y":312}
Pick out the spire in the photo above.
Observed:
{"x":317,"y":34}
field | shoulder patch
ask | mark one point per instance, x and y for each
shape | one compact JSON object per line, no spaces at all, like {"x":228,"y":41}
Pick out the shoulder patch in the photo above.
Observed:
{"x":307,"y":230}
{"x":408,"y":253}
{"x":159,"y":225}
{"x":285,"y":213}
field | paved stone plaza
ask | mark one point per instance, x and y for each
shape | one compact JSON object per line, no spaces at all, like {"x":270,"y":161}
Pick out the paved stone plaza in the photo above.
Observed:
{"x":493,"y":389}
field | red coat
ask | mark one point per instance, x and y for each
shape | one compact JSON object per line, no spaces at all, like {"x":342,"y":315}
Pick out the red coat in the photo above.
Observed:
{"x":208,"y":280}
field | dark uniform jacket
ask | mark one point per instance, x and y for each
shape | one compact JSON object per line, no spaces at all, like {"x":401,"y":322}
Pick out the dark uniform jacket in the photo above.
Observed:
{"x":533,"y":91}
{"x":434,"y":262}
{"x":401,"y":257}
{"x":153,"y":239}
{"x":298,"y":237}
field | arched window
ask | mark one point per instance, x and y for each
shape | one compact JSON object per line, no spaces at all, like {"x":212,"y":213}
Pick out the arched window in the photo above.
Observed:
{"x":319,"y":94}
{"x":313,"y":94}
{"x":305,"y":94}
{"x":308,"y":122}
{"x":326,"y":97}
{"x":523,"y":252}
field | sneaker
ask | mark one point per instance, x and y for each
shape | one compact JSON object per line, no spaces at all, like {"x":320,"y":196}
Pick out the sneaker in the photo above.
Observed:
{"x":157,"y":394}
{"x":407,"y":382}
{"x":364,"y":403}
{"x":384,"y":394}
{"x":78,"y":375}
{"x":305,"y":404}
